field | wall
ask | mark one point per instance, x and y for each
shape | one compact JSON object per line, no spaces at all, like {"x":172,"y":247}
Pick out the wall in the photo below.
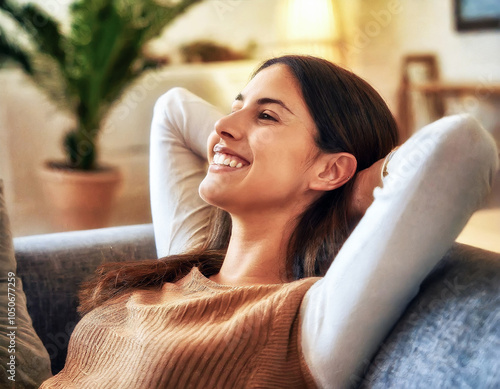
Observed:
{"x":230,"y":22}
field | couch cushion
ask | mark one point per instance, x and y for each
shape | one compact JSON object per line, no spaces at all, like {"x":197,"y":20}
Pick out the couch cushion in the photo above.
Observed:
{"x":449,"y":336}
{"x":19,"y":342}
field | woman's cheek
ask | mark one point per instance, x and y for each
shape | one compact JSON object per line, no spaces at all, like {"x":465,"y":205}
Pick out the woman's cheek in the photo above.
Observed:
{"x":264,"y":139}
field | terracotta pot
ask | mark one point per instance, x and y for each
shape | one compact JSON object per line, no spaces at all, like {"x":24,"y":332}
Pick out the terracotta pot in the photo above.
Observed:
{"x":80,"y":200}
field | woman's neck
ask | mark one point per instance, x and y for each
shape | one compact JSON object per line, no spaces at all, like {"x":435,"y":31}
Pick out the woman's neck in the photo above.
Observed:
{"x":257,"y":252}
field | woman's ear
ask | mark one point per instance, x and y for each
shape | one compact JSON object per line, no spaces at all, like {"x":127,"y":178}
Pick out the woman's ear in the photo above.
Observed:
{"x":331,"y":171}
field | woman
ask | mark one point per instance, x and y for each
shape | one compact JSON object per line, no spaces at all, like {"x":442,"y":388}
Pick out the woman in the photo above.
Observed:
{"x":291,"y":170}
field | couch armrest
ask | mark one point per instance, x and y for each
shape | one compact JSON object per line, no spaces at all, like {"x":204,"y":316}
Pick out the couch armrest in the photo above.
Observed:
{"x":52,"y":267}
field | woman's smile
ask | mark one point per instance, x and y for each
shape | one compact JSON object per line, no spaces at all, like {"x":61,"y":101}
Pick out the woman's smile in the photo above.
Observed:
{"x":226,"y":158}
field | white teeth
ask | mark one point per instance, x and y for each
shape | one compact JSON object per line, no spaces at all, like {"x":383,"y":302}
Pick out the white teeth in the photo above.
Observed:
{"x":223,"y":159}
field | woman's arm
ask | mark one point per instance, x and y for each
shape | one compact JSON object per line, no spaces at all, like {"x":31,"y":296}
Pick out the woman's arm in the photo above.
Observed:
{"x":178,"y":151}
{"x":436,"y":180}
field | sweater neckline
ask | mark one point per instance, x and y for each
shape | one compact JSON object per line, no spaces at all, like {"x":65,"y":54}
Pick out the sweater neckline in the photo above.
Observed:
{"x":196,"y":277}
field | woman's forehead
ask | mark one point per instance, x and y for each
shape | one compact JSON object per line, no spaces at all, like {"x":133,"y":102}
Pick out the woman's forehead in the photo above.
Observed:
{"x":276,"y":82}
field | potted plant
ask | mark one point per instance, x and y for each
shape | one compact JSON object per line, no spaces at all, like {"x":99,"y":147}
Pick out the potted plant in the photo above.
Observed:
{"x":85,"y":70}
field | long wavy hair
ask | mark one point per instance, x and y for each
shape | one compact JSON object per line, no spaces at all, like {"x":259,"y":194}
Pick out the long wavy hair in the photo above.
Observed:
{"x":350,"y":116}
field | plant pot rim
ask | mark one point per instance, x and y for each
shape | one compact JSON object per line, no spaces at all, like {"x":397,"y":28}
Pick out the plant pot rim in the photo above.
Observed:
{"x":58,"y":169}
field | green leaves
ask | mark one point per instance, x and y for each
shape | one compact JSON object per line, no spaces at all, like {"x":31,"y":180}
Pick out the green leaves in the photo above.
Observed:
{"x":11,"y":50}
{"x":87,"y":69}
{"x":41,"y":28}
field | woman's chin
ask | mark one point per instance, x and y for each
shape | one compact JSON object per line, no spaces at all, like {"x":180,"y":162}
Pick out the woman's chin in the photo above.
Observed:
{"x":212,"y":193}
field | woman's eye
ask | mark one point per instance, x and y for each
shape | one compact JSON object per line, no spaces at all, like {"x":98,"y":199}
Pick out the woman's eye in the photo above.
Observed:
{"x":266,"y":116}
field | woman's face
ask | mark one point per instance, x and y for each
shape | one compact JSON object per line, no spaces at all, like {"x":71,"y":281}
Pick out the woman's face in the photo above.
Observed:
{"x":261,"y":154}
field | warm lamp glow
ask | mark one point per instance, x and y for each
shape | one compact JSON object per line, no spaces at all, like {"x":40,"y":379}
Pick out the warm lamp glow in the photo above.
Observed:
{"x":308,"y":20}
{"x":310,"y":27}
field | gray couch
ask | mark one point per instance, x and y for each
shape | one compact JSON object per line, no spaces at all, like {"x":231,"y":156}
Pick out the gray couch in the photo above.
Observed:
{"x":449,"y":336}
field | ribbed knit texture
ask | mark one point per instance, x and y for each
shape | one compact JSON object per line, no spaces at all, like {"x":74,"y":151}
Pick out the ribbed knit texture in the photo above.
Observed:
{"x":191,"y":334}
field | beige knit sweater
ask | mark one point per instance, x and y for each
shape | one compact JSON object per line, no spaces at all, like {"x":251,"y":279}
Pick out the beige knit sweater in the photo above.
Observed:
{"x":193,"y":333}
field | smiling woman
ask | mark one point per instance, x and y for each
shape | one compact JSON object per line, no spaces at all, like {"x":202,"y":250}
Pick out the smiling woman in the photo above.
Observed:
{"x":259,"y":126}
{"x":326,"y":123}
{"x":298,"y":254}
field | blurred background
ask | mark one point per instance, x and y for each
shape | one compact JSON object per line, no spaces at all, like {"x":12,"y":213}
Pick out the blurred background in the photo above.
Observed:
{"x":427,"y":58}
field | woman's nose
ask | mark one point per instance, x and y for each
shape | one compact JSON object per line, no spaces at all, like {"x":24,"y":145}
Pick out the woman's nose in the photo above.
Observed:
{"x":230,"y":126}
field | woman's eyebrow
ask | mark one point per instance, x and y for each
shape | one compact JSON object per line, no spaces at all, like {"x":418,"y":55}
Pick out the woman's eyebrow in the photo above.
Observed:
{"x":266,"y":100}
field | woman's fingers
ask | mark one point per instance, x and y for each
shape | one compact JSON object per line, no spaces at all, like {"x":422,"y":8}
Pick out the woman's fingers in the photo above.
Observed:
{"x":364,"y":183}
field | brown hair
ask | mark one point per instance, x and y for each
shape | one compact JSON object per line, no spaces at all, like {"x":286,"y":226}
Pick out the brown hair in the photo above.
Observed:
{"x":350,"y":116}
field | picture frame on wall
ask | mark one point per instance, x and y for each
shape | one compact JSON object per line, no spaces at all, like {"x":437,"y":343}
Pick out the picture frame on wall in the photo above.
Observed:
{"x":477,"y":14}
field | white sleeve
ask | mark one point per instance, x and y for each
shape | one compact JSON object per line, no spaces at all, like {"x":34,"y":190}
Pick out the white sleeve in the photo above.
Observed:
{"x":180,"y":128}
{"x":436,"y":180}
